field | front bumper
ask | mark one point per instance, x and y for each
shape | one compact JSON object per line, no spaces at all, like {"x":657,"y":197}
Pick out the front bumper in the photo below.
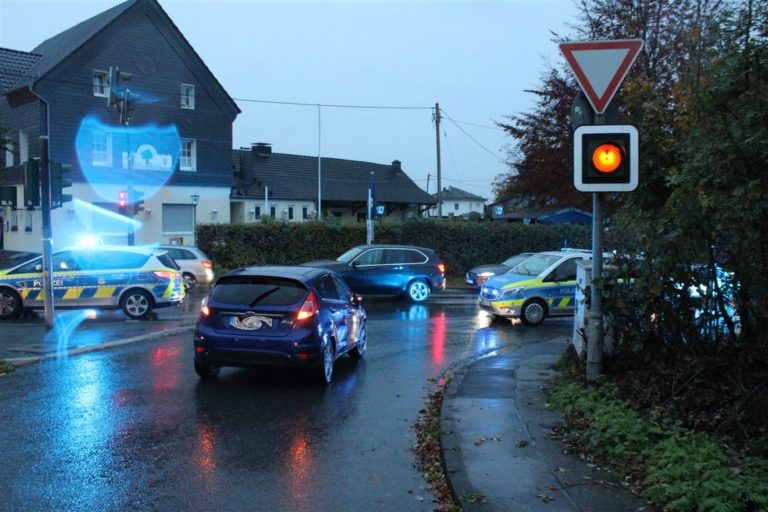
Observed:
{"x":505,"y":308}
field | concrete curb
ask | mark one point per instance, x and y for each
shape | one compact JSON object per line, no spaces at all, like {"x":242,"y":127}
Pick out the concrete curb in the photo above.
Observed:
{"x":26,"y":361}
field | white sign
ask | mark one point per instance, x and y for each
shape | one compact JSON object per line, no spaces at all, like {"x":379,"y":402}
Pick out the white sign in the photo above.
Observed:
{"x":601,"y":66}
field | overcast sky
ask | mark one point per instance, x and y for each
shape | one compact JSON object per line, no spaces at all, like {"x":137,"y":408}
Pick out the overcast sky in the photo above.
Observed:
{"x":474,"y":58}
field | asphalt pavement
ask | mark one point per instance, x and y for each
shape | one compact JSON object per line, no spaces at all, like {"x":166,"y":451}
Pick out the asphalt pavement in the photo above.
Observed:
{"x":499,"y":439}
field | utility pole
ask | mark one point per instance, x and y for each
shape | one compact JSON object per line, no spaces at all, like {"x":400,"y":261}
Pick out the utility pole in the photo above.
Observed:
{"x":45,"y":204}
{"x":439,"y":185}
{"x":319,"y":169}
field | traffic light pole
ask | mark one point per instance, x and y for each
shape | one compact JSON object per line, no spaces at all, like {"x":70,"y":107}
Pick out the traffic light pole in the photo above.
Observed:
{"x":595,"y":326}
{"x":45,"y":205}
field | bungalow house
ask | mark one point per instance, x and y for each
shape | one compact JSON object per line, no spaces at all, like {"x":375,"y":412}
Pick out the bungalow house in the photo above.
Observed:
{"x":285,"y":186}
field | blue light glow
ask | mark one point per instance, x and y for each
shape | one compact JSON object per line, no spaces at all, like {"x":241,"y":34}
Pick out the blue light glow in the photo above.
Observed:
{"x":143,"y":157}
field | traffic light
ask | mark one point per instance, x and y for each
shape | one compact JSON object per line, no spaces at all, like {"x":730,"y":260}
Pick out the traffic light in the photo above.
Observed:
{"x":32,"y":183}
{"x":138,"y":202}
{"x":605,"y":158}
{"x":122,"y":202}
{"x":119,"y":95}
{"x":58,"y":183}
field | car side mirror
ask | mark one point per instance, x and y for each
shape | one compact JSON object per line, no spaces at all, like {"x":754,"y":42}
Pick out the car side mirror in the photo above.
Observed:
{"x":356,"y":300}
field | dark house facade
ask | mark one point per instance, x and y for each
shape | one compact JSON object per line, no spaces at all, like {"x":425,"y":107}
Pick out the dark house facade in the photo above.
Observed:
{"x":61,"y":89}
{"x":285,"y":187}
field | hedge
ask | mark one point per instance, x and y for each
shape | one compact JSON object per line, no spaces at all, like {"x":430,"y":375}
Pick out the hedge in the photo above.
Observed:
{"x":460,"y":244}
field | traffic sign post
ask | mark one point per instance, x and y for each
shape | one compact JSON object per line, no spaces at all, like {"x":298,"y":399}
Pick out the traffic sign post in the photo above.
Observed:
{"x":605,"y":156}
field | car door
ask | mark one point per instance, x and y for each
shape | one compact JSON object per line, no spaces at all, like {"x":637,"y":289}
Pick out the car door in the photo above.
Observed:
{"x":66,"y":279}
{"x":337,"y":308}
{"x":562,"y":289}
{"x":367,"y":272}
{"x":354,"y":314}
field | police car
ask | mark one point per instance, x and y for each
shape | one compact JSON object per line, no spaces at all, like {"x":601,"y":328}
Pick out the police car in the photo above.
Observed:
{"x":541,"y":286}
{"x":133,"y":279}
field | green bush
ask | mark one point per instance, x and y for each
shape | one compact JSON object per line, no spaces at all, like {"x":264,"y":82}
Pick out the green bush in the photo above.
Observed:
{"x":461,"y":245}
{"x":683,"y":471}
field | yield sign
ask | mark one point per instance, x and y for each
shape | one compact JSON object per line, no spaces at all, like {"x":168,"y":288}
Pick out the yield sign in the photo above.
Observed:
{"x":600,"y":67}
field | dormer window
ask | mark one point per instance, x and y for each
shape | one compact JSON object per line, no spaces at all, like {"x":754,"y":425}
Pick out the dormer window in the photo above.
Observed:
{"x":187,"y":96}
{"x":100,"y":83}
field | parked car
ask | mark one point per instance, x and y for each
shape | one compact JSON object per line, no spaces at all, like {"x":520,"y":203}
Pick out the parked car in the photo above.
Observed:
{"x":383,"y":269}
{"x":477,"y":276}
{"x":133,"y":279}
{"x":279,"y":315}
{"x":543,"y":285}
{"x":195,"y":266}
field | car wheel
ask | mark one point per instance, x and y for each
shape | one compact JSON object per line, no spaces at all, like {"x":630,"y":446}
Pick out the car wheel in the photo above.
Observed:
{"x":534,"y":312}
{"x":325,"y":371}
{"x":189,"y":280}
{"x":10,"y":304}
{"x":206,"y":370}
{"x":136,"y":304}
{"x":418,"y":291}
{"x":362,"y":343}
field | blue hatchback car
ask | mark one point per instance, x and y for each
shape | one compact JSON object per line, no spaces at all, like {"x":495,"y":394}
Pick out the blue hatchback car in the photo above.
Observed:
{"x":279,"y":315}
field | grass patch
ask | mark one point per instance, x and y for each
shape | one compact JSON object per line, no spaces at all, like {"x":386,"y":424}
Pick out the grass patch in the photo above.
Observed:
{"x":680,"y":470}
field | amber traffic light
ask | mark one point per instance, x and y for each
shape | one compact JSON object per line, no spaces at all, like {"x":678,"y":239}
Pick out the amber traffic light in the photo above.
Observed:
{"x":605,"y":158}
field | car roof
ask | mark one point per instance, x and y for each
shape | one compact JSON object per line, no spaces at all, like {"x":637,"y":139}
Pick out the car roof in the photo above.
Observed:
{"x":393,"y":246}
{"x":287,"y":271}
{"x":125,"y":248}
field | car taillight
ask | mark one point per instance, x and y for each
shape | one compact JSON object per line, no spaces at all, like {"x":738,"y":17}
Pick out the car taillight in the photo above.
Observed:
{"x":309,"y":307}
{"x":441,"y":267}
{"x":204,"y":309}
{"x":164,"y":274}
{"x":207,"y":264}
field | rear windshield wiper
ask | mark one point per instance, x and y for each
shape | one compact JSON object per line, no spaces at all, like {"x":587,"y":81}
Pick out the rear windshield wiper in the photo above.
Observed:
{"x":264,"y":295}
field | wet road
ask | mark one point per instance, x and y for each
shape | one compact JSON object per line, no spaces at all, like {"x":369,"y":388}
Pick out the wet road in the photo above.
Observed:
{"x":133,"y":428}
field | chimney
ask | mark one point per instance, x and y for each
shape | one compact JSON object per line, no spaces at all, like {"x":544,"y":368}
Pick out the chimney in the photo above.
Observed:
{"x":261,"y":149}
{"x":396,"y":165}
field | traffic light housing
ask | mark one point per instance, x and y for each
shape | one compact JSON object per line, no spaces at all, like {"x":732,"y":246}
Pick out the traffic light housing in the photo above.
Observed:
{"x":605,"y":158}
{"x":32,"y":183}
{"x":138,"y":202}
{"x":120,"y":96}
{"x":122,"y":202}
{"x":58,"y":183}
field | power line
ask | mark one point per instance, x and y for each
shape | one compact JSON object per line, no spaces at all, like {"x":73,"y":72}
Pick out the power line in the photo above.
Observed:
{"x":471,"y":137}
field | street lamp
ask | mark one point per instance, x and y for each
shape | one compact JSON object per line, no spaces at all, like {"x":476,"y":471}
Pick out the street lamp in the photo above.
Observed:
{"x":195,"y":200}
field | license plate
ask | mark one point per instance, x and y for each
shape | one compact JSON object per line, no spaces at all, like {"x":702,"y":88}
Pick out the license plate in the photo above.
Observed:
{"x":485,"y":303}
{"x":251,"y":323}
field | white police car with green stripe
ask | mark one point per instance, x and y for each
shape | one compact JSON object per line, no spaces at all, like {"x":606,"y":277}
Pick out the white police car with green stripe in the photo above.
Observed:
{"x":541,"y":286}
{"x":133,"y":279}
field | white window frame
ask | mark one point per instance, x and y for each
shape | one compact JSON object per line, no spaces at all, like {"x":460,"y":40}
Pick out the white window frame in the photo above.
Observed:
{"x":188,"y":155}
{"x":188,"y":96}
{"x":9,"y":154}
{"x":100,"y":83}
{"x":101,"y":157}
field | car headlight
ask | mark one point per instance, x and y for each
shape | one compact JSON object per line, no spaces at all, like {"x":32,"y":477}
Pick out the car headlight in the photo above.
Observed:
{"x":511,"y":291}
{"x":486,"y":274}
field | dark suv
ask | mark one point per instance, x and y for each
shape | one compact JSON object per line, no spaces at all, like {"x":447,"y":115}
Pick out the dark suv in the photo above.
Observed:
{"x":381,"y":269}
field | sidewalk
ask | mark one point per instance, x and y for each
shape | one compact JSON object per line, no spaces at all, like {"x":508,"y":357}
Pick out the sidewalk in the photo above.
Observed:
{"x":498,"y":446}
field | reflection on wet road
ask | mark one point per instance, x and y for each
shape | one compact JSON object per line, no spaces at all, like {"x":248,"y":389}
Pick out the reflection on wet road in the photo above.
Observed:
{"x":135,"y":429}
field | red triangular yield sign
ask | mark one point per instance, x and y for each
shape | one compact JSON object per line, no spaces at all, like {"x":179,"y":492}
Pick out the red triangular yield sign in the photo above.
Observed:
{"x":600,"y":66}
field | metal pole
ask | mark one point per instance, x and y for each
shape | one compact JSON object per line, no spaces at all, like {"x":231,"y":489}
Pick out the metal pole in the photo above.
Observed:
{"x":439,"y":184}
{"x":319,"y":169}
{"x":45,"y":203}
{"x":595,"y":327}
{"x":595,"y":330}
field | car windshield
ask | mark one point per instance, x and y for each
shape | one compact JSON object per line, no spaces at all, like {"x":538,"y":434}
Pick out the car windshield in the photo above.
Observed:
{"x":516,"y":260}
{"x":535,"y":265}
{"x":350,"y":255}
{"x":258,"y":290}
